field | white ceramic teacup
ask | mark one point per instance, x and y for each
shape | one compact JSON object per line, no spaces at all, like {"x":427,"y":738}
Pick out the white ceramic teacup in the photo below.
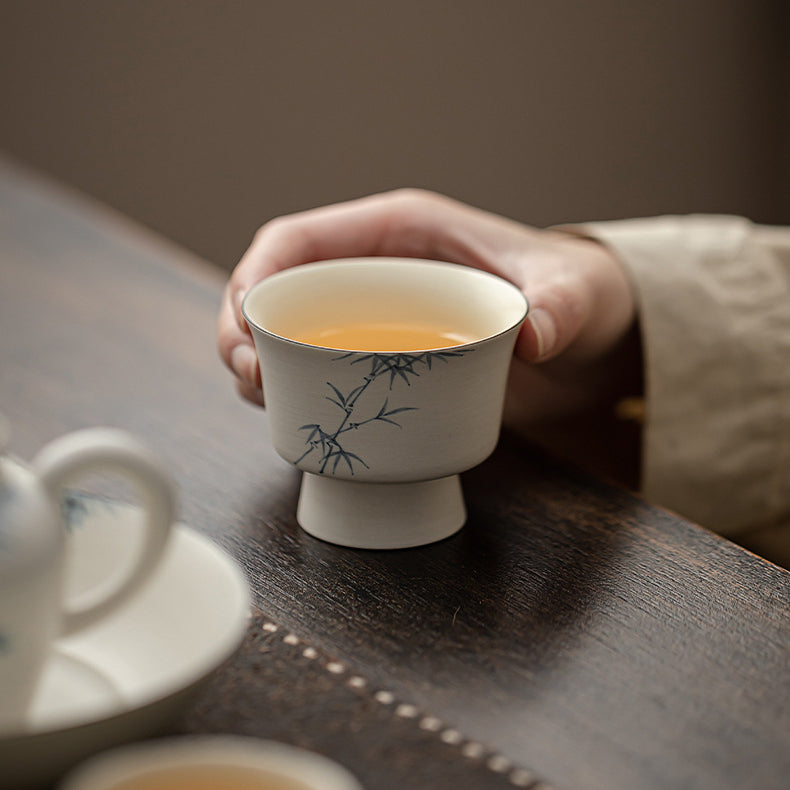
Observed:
{"x":210,"y":761}
{"x":35,"y":607}
{"x":382,"y":435}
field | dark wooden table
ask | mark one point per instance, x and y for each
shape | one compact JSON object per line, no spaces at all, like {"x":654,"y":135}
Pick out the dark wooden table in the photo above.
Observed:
{"x":570,"y":635}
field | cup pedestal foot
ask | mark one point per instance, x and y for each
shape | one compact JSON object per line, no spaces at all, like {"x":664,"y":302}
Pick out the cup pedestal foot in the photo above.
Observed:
{"x":380,"y":515}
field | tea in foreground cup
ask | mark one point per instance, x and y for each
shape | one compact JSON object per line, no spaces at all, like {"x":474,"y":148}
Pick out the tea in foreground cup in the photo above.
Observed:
{"x":384,"y":378}
{"x":34,"y":606}
{"x":210,"y":763}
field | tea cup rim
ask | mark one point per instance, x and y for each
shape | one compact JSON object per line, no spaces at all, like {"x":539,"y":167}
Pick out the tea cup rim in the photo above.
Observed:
{"x":366,"y":260}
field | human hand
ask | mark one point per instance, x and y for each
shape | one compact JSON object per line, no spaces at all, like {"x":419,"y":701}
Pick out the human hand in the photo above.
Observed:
{"x":571,"y":352}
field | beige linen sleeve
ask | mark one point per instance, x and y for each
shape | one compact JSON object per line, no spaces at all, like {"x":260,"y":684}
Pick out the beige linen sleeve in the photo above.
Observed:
{"x":714,"y":302}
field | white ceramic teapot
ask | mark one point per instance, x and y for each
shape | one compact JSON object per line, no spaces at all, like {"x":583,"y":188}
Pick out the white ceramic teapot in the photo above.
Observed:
{"x":34,"y":607}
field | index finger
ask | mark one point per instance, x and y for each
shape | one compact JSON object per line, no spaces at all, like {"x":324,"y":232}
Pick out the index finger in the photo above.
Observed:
{"x":404,"y":223}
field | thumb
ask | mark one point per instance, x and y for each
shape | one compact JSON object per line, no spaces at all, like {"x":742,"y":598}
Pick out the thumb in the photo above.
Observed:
{"x":555,"y":317}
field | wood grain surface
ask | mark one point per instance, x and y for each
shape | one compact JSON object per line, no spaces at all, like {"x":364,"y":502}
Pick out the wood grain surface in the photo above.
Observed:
{"x":571,"y":635}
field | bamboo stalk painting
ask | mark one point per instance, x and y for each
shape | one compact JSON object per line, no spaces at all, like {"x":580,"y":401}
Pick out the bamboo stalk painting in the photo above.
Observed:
{"x":355,"y":406}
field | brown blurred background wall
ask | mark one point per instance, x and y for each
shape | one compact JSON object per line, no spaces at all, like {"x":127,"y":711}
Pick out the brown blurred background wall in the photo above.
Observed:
{"x":203,"y":118}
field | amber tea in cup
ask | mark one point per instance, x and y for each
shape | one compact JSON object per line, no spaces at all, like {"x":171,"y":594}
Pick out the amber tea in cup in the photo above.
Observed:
{"x":383,"y":336}
{"x":208,"y":778}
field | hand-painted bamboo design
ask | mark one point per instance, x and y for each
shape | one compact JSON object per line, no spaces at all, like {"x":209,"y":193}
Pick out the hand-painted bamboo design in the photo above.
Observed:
{"x":398,"y":367}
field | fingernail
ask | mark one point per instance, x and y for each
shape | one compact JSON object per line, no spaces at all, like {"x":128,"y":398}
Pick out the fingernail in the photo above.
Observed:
{"x":244,"y":362}
{"x":545,"y":330}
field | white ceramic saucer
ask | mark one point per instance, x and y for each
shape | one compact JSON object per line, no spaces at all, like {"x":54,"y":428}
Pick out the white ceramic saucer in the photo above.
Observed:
{"x":129,"y":676}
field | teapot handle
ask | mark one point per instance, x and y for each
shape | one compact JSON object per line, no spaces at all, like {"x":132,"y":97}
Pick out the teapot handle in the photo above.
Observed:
{"x":112,"y":451}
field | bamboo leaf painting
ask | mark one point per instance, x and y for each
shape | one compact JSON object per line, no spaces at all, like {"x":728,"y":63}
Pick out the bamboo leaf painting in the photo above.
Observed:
{"x":330,"y":443}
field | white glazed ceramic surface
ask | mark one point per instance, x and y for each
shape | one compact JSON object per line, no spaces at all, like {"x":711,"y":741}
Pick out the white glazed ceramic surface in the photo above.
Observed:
{"x":385,"y":417}
{"x":411,"y":418}
{"x":129,"y":675}
{"x":274,"y":764}
{"x":34,"y":604}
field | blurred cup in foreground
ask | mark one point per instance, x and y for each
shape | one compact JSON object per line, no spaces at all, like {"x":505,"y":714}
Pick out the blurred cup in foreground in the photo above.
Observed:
{"x":212,"y":762}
